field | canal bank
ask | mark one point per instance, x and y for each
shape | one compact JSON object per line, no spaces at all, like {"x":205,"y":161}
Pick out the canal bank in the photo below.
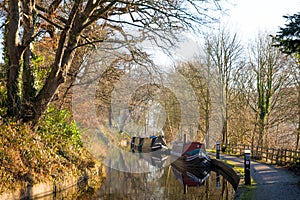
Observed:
{"x":45,"y":159}
{"x":89,"y":179}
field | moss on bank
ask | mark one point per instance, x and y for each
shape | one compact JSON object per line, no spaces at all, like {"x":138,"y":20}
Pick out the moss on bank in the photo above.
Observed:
{"x":53,"y":149}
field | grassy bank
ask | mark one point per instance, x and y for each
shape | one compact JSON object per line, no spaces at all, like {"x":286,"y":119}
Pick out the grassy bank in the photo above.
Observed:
{"x":53,"y":149}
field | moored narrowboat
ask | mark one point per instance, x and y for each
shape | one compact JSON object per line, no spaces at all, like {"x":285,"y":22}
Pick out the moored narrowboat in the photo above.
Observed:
{"x":189,"y":151}
{"x":148,"y":144}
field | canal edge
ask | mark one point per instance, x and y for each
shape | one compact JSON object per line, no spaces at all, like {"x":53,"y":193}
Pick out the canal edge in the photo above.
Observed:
{"x":243,"y":191}
{"x":54,"y":186}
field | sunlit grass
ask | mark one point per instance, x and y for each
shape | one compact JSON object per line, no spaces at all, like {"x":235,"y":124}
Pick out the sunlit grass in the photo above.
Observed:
{"x":211,"y":150}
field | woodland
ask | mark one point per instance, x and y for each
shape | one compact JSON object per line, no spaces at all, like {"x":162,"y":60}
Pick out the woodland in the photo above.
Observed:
{"x":48,"y":45}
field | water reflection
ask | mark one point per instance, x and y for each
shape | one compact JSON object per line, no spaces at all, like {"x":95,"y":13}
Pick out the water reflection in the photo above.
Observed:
{"x":175,"y":181}
{"x":171,"y":182}
{"x":190,"y":178}
{"x":155,"y":159}
{"x":161,"y":184}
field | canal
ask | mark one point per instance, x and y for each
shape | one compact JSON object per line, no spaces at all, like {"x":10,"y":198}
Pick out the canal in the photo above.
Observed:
{"x":162,"y":184}
{"x":162,"y":181}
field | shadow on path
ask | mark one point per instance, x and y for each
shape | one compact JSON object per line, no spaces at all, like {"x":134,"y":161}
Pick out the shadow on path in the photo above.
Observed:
{"x":270,"y":182}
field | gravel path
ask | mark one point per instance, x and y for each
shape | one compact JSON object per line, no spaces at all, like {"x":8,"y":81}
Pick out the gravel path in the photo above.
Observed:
{"x":270,"y":182}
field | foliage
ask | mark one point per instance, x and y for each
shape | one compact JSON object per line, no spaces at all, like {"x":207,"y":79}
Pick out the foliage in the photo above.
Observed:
{"x":54,"y":149}
{"x":40,"y":73}
{"x":288,"y":41}
{"x":56,"y":125}
{"x":288,"y":38}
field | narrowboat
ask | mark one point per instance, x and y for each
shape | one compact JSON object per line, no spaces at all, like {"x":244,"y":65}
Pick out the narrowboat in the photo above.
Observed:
{"x":189,"y":151}
{"x":148,"y":144}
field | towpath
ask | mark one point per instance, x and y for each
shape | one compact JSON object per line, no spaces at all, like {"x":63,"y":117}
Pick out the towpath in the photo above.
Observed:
{"x":269,"y":182}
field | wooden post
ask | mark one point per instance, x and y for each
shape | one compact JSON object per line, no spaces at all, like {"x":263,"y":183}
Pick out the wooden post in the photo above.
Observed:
{"x":277,"y":156}
{"x":218,"y":185}
{"x":293,"y":156}
{"x":285,"y":157}
{"x":241,"y":151}
{"x":272,"y":155}
{"x":260,"y":153}
{"x":280,"y":157}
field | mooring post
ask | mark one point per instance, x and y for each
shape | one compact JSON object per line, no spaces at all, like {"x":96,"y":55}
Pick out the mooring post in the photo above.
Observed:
{"x":184,"y":188}
{"x":218,"y":150}
{"x":218,"y":184}
{"x":247,"y":166}
{"x":132,"y":144}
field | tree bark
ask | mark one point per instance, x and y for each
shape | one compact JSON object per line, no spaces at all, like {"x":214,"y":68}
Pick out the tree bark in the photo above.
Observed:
{"x":28,"y":90}
{"x":52,"y":84}
{"x":67,"y":42}
{"x":13,"y":55}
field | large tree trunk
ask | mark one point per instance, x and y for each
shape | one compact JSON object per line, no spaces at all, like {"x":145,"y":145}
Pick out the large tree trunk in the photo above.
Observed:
{"x":261,"y":133}
{"x":45,"y":96}
{"x":54,"y":80}
{"x":13,"y":54}
{"x":64,"y":55}
{"x":28,"y":90}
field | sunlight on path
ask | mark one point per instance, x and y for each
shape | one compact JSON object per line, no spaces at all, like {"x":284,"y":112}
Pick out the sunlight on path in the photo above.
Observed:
{"x":271,"y":182}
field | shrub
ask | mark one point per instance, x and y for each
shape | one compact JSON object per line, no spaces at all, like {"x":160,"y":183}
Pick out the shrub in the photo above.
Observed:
{"x":30,"y":156}
{"x":56,"y":127}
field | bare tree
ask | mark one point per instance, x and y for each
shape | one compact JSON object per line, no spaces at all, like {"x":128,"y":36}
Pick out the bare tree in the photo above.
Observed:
{"x":297,"y":81}
{"x":70,"y":23}
{"x":194,"y":72}
{"x":225,"y":50}
{"x":269,"y":78}
{"x":290,"y":105}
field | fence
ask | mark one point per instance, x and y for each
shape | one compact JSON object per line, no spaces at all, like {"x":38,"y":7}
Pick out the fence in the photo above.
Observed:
{"x":269,"y":155}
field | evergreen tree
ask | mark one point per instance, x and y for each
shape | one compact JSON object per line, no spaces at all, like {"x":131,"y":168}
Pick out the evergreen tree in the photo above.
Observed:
{"x":288,"y":38}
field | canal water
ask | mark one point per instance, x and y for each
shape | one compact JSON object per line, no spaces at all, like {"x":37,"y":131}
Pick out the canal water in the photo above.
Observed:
{"x":162,"y":184}
{"x":167,"y":182}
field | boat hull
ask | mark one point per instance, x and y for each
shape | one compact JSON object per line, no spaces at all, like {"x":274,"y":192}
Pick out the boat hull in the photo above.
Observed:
{"x":189,"y":151}
{"x":148,"y":144}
